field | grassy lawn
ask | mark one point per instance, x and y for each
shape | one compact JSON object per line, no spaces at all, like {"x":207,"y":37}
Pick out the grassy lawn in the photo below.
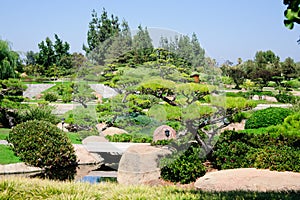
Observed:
{"x":7,"y":156}
{"x":74,"y":137}
{"x":4,"y":133}
{"x":22,"y":188}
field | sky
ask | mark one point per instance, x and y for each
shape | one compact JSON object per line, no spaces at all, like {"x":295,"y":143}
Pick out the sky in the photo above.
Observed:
{"x":226,"y":29}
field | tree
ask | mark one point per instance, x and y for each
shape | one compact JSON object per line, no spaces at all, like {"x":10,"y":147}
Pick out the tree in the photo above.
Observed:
{"x":82,"y":93}
{"x":142,"y":39}
{"x":99,"y":36}
{"x":54,"y":58}
{"x":292,"y":13}
{"x":237,"y":74}
{"x":289,"y":69}
{"x":8,"y":61}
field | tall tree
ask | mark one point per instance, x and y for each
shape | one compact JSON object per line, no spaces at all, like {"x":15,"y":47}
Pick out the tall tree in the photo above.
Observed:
{"x":9,"y":61}
{"x":142,"y":39}
{"x":99,"y":36}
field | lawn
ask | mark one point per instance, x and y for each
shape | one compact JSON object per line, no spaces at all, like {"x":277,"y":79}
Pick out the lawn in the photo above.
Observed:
{"x":22,"y":188}
{"x":7,"y":156}
{"x":4,"y":133}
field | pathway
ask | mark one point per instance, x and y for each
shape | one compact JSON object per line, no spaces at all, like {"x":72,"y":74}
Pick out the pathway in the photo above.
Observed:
{"x":105,"y":91}
{"x":35,"y":89}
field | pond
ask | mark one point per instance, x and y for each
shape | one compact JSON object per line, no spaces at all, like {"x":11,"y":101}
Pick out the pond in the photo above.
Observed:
{"x":81,"y":173}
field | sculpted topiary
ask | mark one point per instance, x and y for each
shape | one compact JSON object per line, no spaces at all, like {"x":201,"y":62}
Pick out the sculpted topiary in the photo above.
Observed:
{"x":42,"y":144}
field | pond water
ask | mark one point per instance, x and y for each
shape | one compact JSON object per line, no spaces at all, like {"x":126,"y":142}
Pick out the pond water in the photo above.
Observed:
{"x":82,"y":173}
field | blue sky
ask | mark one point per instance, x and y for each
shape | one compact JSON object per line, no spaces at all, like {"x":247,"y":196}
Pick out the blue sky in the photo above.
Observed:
{"x":226,"y":29}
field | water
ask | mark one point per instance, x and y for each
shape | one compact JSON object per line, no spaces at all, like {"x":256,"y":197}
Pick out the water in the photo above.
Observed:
{"x":82,"y":173}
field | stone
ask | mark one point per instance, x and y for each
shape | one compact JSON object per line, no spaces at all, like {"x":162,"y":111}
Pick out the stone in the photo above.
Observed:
{"x":255,"y":97}
{"x":113,"y":131}
{"x":94,"y":138}
{"x":164,"y":132}
{"x":248,"y":179}
{"x":269,"y":98}
{"x":140,"y":164}
{"x":84,"y":157}
{"x":63,"y":126}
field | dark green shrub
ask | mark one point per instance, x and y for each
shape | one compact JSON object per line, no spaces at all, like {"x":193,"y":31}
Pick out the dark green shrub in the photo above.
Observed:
{"x":184,"y":167}
{"x":42,"y":112}
{"x":285,"y":98}
{"x":125,"y":137}
{"x":267,"y":117}
{"x":66,"y":98}
{"x":260,"y":150}
{"x":50,"y":96}
{"x":42,"y":144}
{"x":284,"y":158}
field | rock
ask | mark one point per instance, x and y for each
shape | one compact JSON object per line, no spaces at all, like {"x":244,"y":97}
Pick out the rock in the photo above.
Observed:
{"x":113,"y":131}
{"x":140,"y":164}
{"x":94,"y":138}
{"x":249,"y":179}
{"x":269,"y":98}
{"x":101,"y":127}
{"x":235,"y":126}
{"x":164,"y":132}
{"x":255,"y":97}
{"x":84,"y":157}
{"x":63,"y":126}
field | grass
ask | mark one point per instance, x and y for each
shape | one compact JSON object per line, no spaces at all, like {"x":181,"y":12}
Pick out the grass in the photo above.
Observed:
{"x":22,"y":188}
{"x":7,"y":156}
{"x":74,"y":137}
{"x":4,"y":133}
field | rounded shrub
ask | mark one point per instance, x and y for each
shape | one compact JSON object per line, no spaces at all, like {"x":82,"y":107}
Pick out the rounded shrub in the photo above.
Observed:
{"x":51,"y":97}
{"x":185,"y":167}
{"x":267,"y":117}
{"x":42,"y":144}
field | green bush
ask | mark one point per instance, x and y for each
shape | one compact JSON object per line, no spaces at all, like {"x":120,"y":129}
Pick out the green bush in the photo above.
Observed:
{"x":42,"y":144}
{"x":42,"y":112}
{"x":286,"y":98}
{"x":255,"y":149}
{"x":125,"y":137}
{"x":50,"y":96}
{"x":66,"y":98}
{"x":267,"y":117}
{"x":184,"y":167}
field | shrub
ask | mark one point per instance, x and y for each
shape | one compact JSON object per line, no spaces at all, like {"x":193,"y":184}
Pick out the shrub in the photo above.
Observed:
{"x":42,"y":144}
{"x":125,"y":137}
{"x":260,"y":150}
{"x":267,"y":117}
{"x":285,"y":98}
{"x":66,"y":98}
{"x":42,"y":112}
{"x":51,"y":97}
{"x":185,"y":167}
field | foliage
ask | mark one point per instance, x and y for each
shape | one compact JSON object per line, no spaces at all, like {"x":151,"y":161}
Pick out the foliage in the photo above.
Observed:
{"x":286,"y":98}
{"x":135,"y":138}
{"x":9,"y":61}
{"x":82,"y":93}
{"x":290,"y":126}
{"x":54,"y":58}
{"x":50,"y":96}
{"x":25,"y":188}
{"x":185,"y":167}
{"x":291,"y":13}
{"x":42,"y":112}
{"x":75,"y":138}
{"x":82,"y":116}
{"x":265,"y":150}
{"x":42,"y":144}
{"x":267,"y":117}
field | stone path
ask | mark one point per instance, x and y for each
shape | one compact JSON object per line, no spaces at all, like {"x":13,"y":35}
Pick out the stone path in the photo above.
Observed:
{"x":105,"y":91}
{"x":35,"y":89}
{"x":264,"y":106}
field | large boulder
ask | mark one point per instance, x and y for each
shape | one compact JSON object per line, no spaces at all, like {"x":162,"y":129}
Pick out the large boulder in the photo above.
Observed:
{"x":164,"y":132}
{"x":113,"y":131}
{"x":248,"y":179}
{"x":140,"y":164}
